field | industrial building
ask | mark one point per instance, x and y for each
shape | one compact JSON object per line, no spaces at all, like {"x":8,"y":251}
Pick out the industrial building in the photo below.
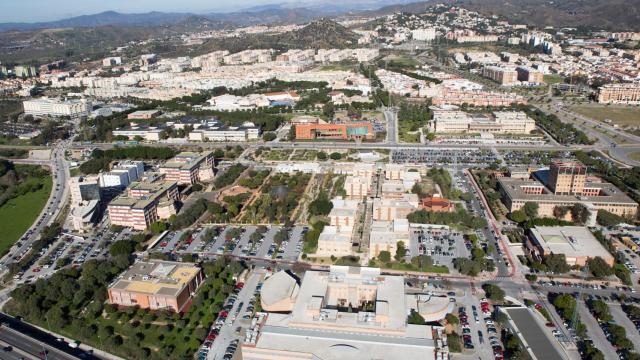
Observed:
{"x":157,"y":285}
{"x":576,"y":243}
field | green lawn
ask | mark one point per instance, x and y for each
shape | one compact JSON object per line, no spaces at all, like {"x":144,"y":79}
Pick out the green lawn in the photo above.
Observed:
{"x":620,"y":115}
{"x":553,"y":79}
{"x":18,"y":214}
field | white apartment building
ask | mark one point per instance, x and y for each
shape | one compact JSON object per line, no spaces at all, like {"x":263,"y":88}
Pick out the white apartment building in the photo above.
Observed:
{"x":57,"y":107}
{"x":426,"y":34}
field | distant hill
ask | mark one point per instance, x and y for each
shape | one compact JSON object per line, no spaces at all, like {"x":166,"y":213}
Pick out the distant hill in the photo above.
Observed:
{"x":610,"y":14}
{"x":323,"y":33}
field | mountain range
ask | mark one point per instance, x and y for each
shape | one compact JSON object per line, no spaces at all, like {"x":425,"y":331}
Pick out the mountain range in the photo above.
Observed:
{"x":273,"y":13}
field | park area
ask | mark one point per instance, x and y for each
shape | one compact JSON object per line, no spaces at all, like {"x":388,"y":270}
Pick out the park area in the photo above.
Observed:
{"x":22,"y":202}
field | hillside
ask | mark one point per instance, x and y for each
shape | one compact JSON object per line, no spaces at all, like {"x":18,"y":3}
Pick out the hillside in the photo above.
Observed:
{"x":323,"y":33}
{"x":609,"y":15}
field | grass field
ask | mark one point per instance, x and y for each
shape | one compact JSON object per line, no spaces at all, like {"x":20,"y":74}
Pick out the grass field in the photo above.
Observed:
{"x":620,"y":115}
{"x":635,"y":156}
{"x":18,"y":214}
{"x":553,"y":79}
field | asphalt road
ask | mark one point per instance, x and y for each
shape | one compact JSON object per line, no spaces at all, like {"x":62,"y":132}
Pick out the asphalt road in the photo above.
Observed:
{"x":392,"y":126}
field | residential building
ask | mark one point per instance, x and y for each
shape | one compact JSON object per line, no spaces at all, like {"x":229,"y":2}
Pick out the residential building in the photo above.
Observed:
{"x":502,"y":76}
{"x":57,"y":107}
{"x":348,"y":313}
{"x":426,"y":34}
{"x":189,"y":168}
{"x":628,"y":93}
{"x":576,"y":243}
{"x":344,"y":131}
{"x":144,"y":204}
{"x":449,"y":96}
{"x":157,"y":285}
{"x":530,"y":75}
{"x":111,"y":61}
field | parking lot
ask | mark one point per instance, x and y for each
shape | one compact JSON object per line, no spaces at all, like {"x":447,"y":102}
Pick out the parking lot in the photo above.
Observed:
{"x":266,"y":242}
{"x":437,"y":157}
{"x":442,"y":245}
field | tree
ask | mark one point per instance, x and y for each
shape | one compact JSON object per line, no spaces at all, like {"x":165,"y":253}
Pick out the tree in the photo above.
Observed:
{"x":579,"y":213}
{"x":556,"y":263}
{"x":158,"y":227}
{"x":122,"y":247}
{"x":335,"y":156}
{"x":494,"y":292}
{"x":328,"y":110}
{"x":452,"y":319}
{"x":415,"y":318}
{"x":565,"y":304}
{"x":384,"y":256}
{"x":321,"y":155}
{"x":606,"y":218}
{"x":518,"y":216}
{"x":531,"y":210}
{"x":269,"y":136}
{"x":598,"y":267}
{"x":401,"y":251}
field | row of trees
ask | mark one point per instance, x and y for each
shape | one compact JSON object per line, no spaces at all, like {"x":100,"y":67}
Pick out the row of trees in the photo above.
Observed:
{"x":229,"y":176}
{"x":460,"y":216}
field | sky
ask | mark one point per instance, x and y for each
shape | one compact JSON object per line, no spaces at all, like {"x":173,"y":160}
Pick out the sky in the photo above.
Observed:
{"x":47,"y":10}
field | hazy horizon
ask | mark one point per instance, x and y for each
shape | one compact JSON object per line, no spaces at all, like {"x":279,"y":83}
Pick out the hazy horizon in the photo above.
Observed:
{"x":46,"y":10}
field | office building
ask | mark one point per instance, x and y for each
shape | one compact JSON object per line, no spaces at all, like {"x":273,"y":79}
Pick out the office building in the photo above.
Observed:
{"x":343,"y":214}
{"x":345,"y":131}
{"x":348,"y":313}
{"x":143,"y":204}
{"x":84,"y":188}
{"x":157,"y":285}
{"x":628,"y":93}
{"x":576,"y":243}
{"x":189,"y":168}
{"x":502,"y":76}
{"x":143,"y":114}
{"x":334,"y":242}
{"x":57,"y":107}
{"x":385,"y":235}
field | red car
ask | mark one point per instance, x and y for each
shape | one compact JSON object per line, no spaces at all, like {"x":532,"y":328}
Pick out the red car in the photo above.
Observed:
{"x":223,"y":313}
{"x":164,"y":244}
{"x":239,"y":285}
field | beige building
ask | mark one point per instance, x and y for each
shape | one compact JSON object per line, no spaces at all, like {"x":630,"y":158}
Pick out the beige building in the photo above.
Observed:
{"x":357,"y":187}
{"x":279,"y":292}
{"x":502,"y":76}
{"x":144,"y":204}
{"x":388,"y":209}
{"x":343,"y":214}
{"x":620,"y":94}
{"x":332,"y":242}
{"x":189,"y":168}
{"x":385,"y":235}
{"x":349,"y":313}
{"x":568,"y":178}
{"x":576,"y":243}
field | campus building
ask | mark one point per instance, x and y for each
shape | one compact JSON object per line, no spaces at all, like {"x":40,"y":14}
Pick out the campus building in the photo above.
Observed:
{"x":501,"y":122}
{"x":530,"y":75}
{"x":346,"y":131}
{"x":576,"y":243}
{"x":564,"y":185}
{"x":347,"y":313}
{"x":218,"y":132}
{"x":144,"y":204}
{"x":157,"y":285}
{"x":189,"y":168}
{"x":628,"y":93}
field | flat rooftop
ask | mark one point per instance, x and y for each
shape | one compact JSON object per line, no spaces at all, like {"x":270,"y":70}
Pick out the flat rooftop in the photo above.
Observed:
{"x":156,"y":278}
{"x":185,"y":160}
{"x":610,"y":193}
{"x":575,"y":241}
{"x":156,"y":190}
